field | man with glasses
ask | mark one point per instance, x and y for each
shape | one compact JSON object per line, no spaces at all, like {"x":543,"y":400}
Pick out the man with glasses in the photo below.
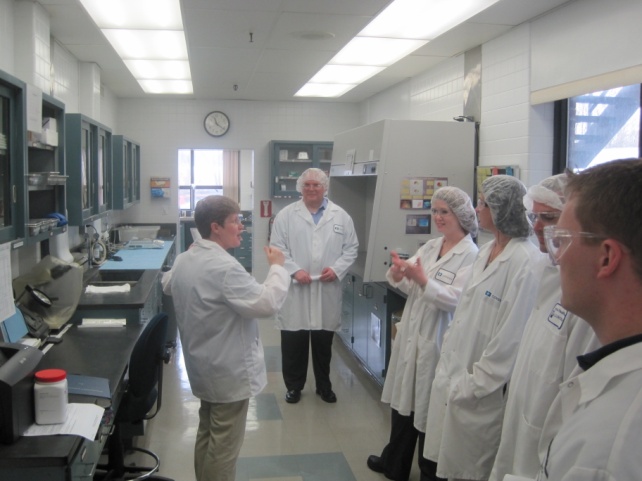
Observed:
{"x":597,"y":244}
{"x":552,"y":339}
{"x":320,"y":244}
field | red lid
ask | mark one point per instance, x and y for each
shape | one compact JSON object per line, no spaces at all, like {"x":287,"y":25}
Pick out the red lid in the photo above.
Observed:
{"x":51,"y":375}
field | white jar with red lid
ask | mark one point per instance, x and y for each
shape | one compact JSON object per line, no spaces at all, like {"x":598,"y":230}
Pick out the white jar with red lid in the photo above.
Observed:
{"x":50,"y":395}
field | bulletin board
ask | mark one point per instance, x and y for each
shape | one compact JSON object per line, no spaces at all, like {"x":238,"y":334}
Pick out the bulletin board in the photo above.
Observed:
{"x":160,"y":187}
{"x":489,"y":170}
{"x":416,"y":194}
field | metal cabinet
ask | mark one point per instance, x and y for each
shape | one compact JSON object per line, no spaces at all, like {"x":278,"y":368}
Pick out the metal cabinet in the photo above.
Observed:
{"x":290,"y":158}
{"x":366,"y":322}
{"x":12,"y":156}
{"x":45,"y":173}
{"x":126,"y":170}
{"x":89,"y":166}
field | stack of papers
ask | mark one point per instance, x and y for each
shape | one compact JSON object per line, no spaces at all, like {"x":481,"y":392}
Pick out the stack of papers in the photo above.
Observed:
{"x":108,"y":289}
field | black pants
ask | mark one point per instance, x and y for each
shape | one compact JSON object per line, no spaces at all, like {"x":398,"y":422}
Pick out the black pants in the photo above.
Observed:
{"x":295,"y":349}
{"x":398,"y":454}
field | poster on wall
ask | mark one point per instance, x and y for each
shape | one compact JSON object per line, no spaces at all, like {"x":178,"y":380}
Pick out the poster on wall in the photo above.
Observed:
{"x":159,"y":187}
{"x":416,"y":192}
{"x":418,"y":224}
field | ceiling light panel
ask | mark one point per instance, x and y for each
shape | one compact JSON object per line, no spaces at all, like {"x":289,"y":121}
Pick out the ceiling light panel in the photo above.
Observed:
{"x":167,"y":86}
{"x":324,"y":90}
{"x":138,"y":14}
{"x":379,"y":52}
{"x":344,"y":74}
{"x":159,"y":69}
{"x":148,"y":44}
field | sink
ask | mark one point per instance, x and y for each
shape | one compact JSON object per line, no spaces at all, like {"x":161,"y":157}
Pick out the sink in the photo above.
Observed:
{"x":109,"y":278}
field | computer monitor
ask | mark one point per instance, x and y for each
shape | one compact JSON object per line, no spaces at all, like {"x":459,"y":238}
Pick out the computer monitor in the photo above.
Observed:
{"x":14,"y":327}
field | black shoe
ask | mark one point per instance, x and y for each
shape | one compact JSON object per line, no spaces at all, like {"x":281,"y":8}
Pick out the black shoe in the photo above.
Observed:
{"x":375,"y":464}
{"x":328,"y":396}
{"x":293,"y":396}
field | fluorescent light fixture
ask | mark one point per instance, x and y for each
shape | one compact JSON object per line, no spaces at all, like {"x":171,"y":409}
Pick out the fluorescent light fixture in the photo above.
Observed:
{"x":159,"y":69}
{"x":344,"y":74}
{"x":140,"y":14}
{"x":148,"y":35}
{"x":167,"y":86}
{"x":148,"y":44}
{"x":380,"y":52}
{"x":400,"y":29}
{"x":324,"y":90}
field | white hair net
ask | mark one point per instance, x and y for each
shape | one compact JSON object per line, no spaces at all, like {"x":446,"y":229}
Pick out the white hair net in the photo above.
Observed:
{"x":314,"y":174}
{"x":504,"y":194}
{"x":549,"y":192}
{"x":460,"y":205}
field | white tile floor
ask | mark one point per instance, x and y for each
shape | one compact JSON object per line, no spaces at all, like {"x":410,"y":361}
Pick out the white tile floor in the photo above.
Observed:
{"x":307,"y":441}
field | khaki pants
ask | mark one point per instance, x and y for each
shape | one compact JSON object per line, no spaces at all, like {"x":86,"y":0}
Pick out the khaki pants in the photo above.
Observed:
{"x":221,"y":430}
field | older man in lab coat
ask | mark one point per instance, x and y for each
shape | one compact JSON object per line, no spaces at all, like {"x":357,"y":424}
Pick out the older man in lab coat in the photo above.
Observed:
{"x":320,"y":244}
{"x":597,"y":245}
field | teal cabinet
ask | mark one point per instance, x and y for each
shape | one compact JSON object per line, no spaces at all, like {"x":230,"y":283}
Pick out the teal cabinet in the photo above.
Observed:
{"x":290,"y":158}
{"x":126,"y":168}
{"x":12,"y":156}
{"x":89,"y":166}
{"x":45,"y":173}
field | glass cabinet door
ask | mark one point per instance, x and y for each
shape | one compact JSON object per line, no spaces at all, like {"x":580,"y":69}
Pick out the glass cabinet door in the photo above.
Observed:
{"x":5,"y":169}
{"x":85,"y":166}
{"x":103,"y":169}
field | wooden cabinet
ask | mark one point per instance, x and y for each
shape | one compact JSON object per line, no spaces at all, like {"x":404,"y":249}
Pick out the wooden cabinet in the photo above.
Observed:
{"x":126,"y":169}
{"x":290,"y":158}
{"x":45,"y":173}
{"x":89,"y":166}
{"x":12,"y":156}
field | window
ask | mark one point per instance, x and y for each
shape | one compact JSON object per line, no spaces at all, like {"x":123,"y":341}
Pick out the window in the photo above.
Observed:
{"x":200,"y":173}
{"x":600,"y":126}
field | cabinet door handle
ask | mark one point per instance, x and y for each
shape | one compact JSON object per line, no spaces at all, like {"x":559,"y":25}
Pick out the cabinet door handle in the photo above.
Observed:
{"x":368,"y":291}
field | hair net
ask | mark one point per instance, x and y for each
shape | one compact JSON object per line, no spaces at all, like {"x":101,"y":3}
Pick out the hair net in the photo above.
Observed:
{"x":504,"y":196}
{"x":460,"y":205}
{"x":314,"y":174}
{"x":549,"y":192}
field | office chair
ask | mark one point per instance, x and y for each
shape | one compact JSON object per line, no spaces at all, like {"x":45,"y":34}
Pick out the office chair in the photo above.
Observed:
{"x":144,"y":389}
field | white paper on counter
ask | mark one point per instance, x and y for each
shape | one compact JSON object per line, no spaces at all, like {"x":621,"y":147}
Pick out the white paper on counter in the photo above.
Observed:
{"x":83,"y":419}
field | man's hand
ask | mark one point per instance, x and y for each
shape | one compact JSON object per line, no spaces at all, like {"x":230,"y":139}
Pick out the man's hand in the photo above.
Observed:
{"x":327,"y":275}
{"x":302,"y":277}
{"x":274,"y":255}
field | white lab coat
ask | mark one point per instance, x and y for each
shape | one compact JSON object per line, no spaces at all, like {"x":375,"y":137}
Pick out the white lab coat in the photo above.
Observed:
{"x":547,"y":356}
{"x":216,"y":304}
{"x":426,"y":315}
{"x":330,"y":243}
{"x":599,"y":439}
{"x":477,"y":358}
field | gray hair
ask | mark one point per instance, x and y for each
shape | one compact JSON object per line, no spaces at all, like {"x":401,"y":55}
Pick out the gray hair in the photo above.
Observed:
{"x":504,"y":196}
{"x":460,"y":205}
{"x":313,"y":174}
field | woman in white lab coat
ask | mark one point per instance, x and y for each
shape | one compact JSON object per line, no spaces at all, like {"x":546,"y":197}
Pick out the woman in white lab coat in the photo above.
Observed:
{"x":477,"y":357}
{"x":433,"y":279}
{"x":217,"y":303}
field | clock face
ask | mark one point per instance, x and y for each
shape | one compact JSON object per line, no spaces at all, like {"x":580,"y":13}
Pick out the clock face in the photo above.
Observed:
{"x":216,"y":123}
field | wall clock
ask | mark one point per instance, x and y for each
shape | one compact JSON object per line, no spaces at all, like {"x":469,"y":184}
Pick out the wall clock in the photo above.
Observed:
{"x":216,"y":123}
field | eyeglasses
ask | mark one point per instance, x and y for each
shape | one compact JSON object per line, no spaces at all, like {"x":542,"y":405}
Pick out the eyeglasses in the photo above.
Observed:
{"x":312,"y":186}
{"x":544,"y":217}
{"x":559,"y":240}
{"x":237,"y":220}
{"x":441,"y":212}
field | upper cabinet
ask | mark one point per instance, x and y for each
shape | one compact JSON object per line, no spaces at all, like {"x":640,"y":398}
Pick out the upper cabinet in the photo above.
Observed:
{"x":289,"y":159}
{"x":89,"y":166}
{"x":45,"y":173}
{"x":12,"y":156}
{"x":126,"y":172}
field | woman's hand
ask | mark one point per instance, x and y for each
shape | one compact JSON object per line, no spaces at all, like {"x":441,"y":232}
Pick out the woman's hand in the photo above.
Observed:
{"x":398,"y":267}
{"x":415,"y":272}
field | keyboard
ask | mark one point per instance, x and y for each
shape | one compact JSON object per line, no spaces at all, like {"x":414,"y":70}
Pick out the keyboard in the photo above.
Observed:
{"x":95,"y":322}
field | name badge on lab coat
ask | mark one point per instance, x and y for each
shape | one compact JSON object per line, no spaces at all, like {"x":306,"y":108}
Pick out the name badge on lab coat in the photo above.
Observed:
{"x":557,"y":316}
{"x":445,"y":276}
{"x":338,"y":229}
